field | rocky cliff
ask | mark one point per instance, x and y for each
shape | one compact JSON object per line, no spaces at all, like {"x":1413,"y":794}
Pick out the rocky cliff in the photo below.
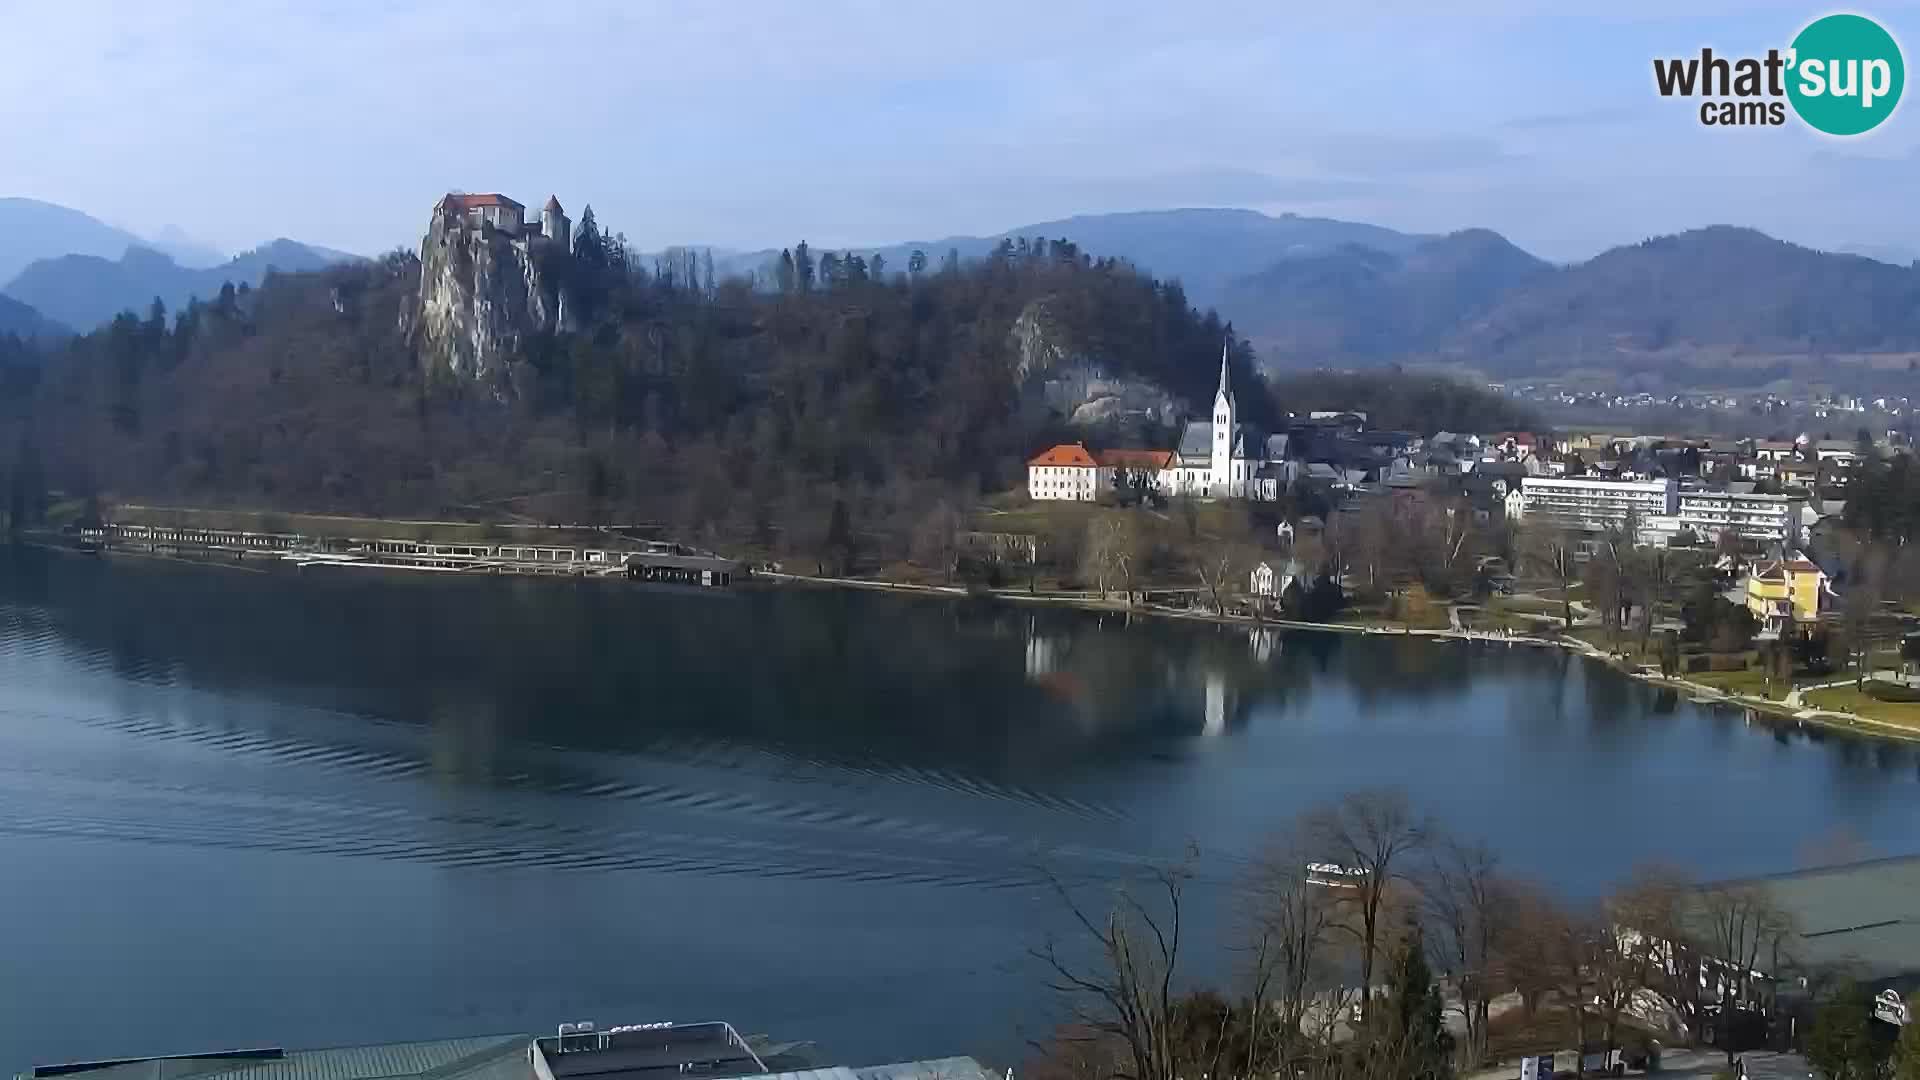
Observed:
{"x":482,"y":293}
{"x":1054,"y":374}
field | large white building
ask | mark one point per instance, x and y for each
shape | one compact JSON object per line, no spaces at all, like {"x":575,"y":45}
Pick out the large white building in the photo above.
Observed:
{"x":1067,"y":471}
{"x":1597,"y":505}
{"x":1764,"y":519}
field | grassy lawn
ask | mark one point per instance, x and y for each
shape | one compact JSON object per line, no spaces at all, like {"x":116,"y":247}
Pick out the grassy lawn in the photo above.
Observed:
{"x":1847,"y":699}
{"x":1750,"y":681}
{"x":1528,"y":605}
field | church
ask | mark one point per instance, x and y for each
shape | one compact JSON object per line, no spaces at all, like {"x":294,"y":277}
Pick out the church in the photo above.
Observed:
{"x":1220,"y":458}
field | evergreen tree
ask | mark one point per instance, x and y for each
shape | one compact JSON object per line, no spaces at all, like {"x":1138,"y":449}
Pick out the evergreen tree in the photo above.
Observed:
{"x":1906,"y":1052}
{"x":1415,"y":1031}
{"x":803,"y":266}
{"x":589,"y":248}
{"x":1841,"y":1042}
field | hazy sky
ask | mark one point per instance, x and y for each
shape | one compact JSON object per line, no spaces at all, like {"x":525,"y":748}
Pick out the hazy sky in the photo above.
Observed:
{"x":843,"y":122}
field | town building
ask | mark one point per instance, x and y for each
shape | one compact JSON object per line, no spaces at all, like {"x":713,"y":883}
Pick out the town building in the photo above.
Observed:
{"x":1598,"y":505}
{"x":1751,"y":516}
{"x":1271,"y":580}
{"x":496,"y":211}
{"x":1779,"y":590}
{"x":1066,"y":471}
{"x":1154,"y":471}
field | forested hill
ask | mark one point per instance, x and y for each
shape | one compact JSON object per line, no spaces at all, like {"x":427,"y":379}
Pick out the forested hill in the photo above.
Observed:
{"x":842,"y":400}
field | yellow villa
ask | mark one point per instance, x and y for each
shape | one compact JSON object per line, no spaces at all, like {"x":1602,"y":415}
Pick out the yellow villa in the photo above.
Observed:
{"x":1783,"y":589}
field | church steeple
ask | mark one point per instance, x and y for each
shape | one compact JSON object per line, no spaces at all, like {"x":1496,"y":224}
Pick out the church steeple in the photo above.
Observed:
{"x":1225,"y":391}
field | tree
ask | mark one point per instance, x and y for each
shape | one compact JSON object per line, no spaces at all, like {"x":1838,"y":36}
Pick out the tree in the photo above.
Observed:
{"x":1906,"y":1052}
{"x":1553,"y":553}
{"x":1126,"y":990}
{"x":1468,"y":904}
{"x":1860,"y":606}
{"x":803,"y":266}
{"x":589,"y":249}
{"x":877,"y":267}
{"x":1841,"y":1042}
{"x":916,"y":264}
{"x":840,"y":545}
{"x":1372,"y":832}
{"x":1414,"y":1035}
{"x":784,"y":274}
{"x":1744,"y":929}
{"x":1290,"y":924}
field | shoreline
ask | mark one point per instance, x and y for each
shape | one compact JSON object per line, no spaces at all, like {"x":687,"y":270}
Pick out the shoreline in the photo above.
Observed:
{"x":1700,"y":693}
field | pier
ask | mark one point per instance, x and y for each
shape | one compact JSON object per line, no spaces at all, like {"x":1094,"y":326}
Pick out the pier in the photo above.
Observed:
{"x":645,"y":561}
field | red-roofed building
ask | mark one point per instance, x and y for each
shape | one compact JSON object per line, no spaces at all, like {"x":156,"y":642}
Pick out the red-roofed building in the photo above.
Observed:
{"x":495,"y":209}
{"x":1066,"y":471}
{"x":507,"y":215}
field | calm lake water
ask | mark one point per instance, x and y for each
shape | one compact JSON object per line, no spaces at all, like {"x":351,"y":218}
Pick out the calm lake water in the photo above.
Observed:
{"x":261,"y":809}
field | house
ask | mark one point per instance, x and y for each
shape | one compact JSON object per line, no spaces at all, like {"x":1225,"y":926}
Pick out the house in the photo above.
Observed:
{"x":1515,"y":504}
{"x":1066,"y":471}
{"x":1800,"y":474}
{"x":1272,"y":582}
{"x":1783,"y":589}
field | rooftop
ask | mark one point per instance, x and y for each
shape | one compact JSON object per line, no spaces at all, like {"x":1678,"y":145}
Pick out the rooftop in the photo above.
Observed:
{"x":710,"y":1050}
{"x":1065,"y":454}
{"x":1863,"y":917}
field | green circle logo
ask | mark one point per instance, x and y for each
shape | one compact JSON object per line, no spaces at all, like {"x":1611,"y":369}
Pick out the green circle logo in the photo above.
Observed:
{"x":1846,"y":74}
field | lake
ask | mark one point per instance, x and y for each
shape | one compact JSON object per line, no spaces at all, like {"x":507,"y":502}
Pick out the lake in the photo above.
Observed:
{"x":268,"y":809}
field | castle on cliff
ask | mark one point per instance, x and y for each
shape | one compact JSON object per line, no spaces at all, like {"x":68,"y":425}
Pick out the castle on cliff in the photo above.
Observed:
{"x":459,"y":210}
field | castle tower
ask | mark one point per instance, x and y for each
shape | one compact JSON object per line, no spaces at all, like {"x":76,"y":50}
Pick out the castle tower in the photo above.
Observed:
{"x":1220,"y":469}
{"x":554,"y":224}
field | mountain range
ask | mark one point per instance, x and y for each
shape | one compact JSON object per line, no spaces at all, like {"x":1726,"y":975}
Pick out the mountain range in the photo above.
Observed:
{"x":1714,"y":306}
{"x":62,"y":269}
{"x":83,"y":291}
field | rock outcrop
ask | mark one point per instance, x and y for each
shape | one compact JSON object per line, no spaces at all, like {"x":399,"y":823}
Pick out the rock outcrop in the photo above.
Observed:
{"x":1054,"y":375}
{"x":483,"y":292}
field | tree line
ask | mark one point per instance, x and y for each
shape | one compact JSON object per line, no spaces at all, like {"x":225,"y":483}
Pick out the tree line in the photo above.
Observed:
{"x":1371,"y":942}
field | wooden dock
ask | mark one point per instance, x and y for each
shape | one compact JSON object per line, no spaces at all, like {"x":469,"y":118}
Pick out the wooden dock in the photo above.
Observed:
{"x":662,"y":562}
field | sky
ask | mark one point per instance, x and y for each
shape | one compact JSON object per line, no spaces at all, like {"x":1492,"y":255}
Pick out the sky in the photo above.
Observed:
{"x":864,"y":122}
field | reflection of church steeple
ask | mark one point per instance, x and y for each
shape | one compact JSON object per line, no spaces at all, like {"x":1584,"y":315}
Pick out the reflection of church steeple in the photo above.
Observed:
{"x":1218,"y":704}
{"x":1043,"y":652}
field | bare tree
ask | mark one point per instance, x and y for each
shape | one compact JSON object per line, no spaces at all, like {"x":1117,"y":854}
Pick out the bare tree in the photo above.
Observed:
{"x":1858,"y":608}
{"x":1553,"y":552}
{"x":1290,"y":924}
{"x":1126,"y":992}
{"x":1741,"y":927}
{"x":1371,"y":833}
{"x":1649,"y":912}
{"x":1468,"y":905}
{"x":1109,"y":552}
{"x":1218,"y":566}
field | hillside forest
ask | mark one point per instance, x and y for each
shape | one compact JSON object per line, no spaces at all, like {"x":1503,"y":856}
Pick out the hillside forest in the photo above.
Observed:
{"x":851,"y":398}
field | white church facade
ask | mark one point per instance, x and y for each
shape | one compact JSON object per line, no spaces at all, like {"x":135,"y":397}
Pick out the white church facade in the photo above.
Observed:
{"x":1218,"y":458}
